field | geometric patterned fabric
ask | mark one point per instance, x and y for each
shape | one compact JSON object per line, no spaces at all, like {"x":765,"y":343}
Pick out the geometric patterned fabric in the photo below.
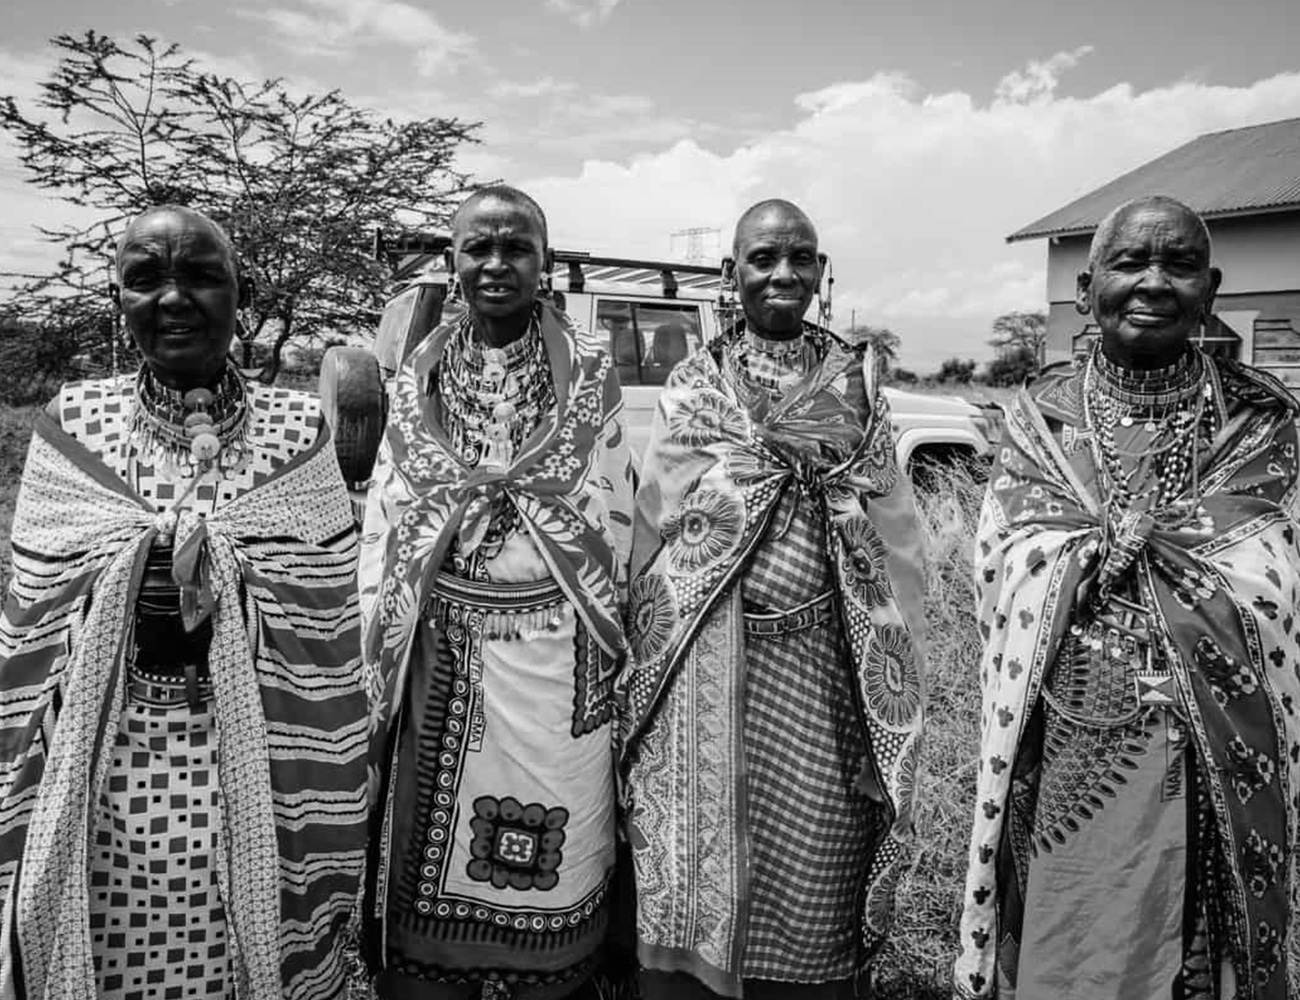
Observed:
{"x":155,"y":908}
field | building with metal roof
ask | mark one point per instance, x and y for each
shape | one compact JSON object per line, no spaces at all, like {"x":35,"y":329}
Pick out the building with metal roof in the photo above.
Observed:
{"x":1245,"y":183}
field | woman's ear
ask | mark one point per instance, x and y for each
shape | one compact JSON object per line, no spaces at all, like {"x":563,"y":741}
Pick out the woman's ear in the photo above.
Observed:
{"x":1082,"y":286}
{"x":247,"y":287}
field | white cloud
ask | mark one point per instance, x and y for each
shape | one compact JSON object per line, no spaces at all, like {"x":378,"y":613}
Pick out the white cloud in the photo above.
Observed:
{"x":1038,"y":80}
{"x":335,"y":27}
{"x":583,"y":13}
{"x":913,"y":193}
{"x":547,"y":86}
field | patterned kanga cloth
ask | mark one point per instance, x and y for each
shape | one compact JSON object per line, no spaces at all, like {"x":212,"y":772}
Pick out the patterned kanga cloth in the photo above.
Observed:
{"x":495,"y":851}
{"x":1220,"y":573}
{"x":276,"y":555}
{"x":713,"y":483}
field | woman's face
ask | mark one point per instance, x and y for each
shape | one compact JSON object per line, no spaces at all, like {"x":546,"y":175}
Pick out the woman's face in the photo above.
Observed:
{"x":1151,"y":286}
{"x":499,"y":248}
{"x":179,"y":296}
{"x":777,"y":271}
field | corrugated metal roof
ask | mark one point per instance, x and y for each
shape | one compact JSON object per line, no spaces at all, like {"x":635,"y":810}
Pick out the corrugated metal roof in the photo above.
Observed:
{"x":1239,"y":171}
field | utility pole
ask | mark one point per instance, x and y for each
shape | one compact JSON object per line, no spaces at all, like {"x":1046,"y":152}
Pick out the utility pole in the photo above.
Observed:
{"x":696,"y":245}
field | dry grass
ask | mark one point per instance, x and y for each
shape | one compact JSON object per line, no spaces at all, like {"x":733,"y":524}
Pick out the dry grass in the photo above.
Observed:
{"x":917,"y":961}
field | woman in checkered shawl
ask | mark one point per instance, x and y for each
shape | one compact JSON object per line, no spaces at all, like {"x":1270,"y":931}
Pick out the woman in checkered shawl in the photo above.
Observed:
{"x":773,"y":710}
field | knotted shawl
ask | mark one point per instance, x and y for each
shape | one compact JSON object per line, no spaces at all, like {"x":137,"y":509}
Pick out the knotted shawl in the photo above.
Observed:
{"x":1222,"y":572}
{"x":426,"y":494}
{"x":713,"y":474}
{"x":278,"y":564}
{"x":570,"y":483}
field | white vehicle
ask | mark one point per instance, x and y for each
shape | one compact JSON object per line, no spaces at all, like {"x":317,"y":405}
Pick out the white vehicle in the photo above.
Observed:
{"x":655,"y":313}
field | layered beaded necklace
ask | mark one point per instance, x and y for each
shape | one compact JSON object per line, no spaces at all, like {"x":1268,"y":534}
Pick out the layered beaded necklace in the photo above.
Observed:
{"x":772,"y":366}
{"x":1169,"y":405}
{"x":188,"y":433}
{"x":493,"y":397}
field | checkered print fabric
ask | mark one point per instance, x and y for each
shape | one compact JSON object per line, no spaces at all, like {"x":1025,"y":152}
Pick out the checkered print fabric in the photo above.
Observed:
{"x":810,"y":832}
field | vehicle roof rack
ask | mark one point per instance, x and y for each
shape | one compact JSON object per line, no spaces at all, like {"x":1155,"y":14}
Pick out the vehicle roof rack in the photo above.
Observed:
{"x":406,"y":253}
{"x":397,"y":250}
{"x":580,"y":267}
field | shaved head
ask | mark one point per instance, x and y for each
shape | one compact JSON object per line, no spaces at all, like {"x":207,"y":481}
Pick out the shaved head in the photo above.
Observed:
{"x":198,"y":218}
{"x":771,"y":208}
{"x":1108,"y":227}
{"x":509,"y":195}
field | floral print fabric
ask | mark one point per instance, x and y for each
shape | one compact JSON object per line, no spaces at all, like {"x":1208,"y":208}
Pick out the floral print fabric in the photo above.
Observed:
{"x":712,"y":480}
{"x":1219,"y":569}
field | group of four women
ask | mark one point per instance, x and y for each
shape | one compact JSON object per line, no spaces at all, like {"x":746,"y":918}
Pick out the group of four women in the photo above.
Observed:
{"x":553,"y":725}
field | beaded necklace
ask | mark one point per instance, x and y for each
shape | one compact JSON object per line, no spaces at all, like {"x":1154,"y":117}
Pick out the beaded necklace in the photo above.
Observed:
{"x":1169,"y":404}
{"x":760,"y":365}
{"x":493,"y":397}
{"x":188,"y":433}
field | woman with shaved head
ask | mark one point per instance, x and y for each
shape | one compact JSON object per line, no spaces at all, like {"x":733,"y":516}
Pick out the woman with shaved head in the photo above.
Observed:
{"x":1138,"y":564}
{"x":773,"y":709}
{"x":183,"y":744}
{"x":494,"y":568}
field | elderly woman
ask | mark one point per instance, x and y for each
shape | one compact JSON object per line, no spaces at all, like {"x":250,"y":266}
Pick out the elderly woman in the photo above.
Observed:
{"x":183,"y":738}
{"x":494,"y":554}
{"x":774,"y":709}
{"x":1138,"y":568}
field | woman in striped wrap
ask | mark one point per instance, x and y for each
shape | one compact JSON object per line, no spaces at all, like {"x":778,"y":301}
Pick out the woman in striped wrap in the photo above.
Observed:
{"x":182,"y":717}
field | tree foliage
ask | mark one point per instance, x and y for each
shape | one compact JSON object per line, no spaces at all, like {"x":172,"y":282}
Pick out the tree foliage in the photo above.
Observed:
{"x":884,"y":342}
{"x":300,"y":181}
{"x":1012,"y":367}
{"x":1021,"y":333}
{"x":956,"y":370}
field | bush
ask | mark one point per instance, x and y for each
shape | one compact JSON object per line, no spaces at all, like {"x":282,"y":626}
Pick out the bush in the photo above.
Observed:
{"x":34,"y":360}
{"x":1012,"y":367}
{"x":956,"y":370}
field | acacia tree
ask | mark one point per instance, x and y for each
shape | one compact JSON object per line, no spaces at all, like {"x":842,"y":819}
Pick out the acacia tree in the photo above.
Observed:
{"x":1021,"y":333}
{"x":883,"y":340}
{"x":300,"y":181}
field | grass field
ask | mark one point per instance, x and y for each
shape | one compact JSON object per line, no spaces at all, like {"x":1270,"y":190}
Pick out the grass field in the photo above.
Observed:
{"x":916,"y":962}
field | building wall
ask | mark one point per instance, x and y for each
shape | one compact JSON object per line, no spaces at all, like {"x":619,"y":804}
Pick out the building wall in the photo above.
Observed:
{"x":1259,"y":299}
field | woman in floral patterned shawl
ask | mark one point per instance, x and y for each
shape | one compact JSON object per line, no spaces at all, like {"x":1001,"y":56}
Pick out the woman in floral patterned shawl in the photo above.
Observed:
{"x":773,"y":715}
{"x":1139,"y":564}
{"x":493,"y":571}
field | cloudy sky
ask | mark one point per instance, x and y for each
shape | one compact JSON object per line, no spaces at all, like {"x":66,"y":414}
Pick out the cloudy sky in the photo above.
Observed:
{"x":916,"y":134}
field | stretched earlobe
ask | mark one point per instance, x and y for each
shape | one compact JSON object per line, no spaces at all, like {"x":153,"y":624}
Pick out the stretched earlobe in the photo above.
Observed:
{"x":1082,"y":285}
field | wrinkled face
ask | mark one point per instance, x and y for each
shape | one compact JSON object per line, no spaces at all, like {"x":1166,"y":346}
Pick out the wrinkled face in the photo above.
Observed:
{"x":179,"y":296}
{"x":777,"y":271}
{"x":1151,"y":286}
{"x":499,"y":249}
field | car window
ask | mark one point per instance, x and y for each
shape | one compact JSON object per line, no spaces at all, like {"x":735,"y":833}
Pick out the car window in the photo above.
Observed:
{"x":647,"y":338}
